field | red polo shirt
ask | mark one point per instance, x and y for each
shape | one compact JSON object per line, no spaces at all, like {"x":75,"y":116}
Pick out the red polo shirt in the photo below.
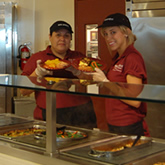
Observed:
{"x":62,"y":100}
{"x":119,"y":113}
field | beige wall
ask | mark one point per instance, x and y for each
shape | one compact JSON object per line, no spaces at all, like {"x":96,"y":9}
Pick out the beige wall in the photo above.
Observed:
{"x":36,"y":16}
{"x":46,"y":14}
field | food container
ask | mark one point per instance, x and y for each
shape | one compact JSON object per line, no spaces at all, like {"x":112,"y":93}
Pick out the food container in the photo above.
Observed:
{"x":118,"y":146}
{"x":11,"y":119}
{"x":64,"y":135}
{"x":25,"y":129}
{"x":154,"y":159}
{"x":39,"y":132}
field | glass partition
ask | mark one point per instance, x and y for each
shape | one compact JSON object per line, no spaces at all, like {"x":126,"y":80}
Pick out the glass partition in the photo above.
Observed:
{"x":148,"y":92}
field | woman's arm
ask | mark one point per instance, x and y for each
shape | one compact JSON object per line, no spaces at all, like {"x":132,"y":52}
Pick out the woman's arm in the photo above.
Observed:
{"x":128,"y":90}
{"x":133,"y":80}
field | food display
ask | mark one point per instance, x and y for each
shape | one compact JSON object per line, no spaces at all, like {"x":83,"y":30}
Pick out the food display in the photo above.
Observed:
{"x":22,"y":132}
{"x":63,"y":135}
{"x":112,"y":148}
{"x":87,"y":64}
{"x":71,"y":134}
{"x":119,"y":145}
{"x":40,"y":133}
{"x":56,"y":64}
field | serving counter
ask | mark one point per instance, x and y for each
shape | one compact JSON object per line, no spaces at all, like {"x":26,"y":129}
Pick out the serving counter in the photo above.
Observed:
{"x":50,"y":148}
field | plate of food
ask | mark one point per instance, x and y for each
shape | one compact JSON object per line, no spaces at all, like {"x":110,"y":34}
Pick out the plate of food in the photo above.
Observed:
{"x":88,"y":64}
{"x":56,"y":64}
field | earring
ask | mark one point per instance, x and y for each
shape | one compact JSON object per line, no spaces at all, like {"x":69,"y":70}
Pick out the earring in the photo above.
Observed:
{"x":126,"y":35}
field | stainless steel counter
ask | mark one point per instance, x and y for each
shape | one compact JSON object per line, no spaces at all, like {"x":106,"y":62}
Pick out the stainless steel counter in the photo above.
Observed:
{"x":27,"y":156}
{"x":27,"y":149}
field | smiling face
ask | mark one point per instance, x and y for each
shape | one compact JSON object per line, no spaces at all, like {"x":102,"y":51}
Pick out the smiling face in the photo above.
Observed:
{"x":60,"y":42}
{"x":116,"y":40}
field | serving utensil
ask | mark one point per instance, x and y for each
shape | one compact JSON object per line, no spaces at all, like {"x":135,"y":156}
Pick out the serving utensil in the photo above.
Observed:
{"x":136,"y":140}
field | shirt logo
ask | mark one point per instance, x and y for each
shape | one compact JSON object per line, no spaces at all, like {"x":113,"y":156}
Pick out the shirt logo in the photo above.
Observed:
{"x":118,"y":68}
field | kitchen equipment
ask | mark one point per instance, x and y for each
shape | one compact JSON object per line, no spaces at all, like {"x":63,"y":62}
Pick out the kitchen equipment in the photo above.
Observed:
{"x":63,"y":135}
{"x":8,"y":47}
{"x":7,"y":120}
{"x":147,"y":20}
{"x":39,"y":142}
{"x":119,"y":157}
{"x":150,"y":160}
{"x":118,"y":146}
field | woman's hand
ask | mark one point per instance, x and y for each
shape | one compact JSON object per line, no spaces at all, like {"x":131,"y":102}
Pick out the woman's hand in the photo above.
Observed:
{"x":41,"y":72}
{"x":99,"y":75}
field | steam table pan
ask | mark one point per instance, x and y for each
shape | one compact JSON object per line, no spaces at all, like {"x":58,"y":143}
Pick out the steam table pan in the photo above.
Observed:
{"x":10,"y":119}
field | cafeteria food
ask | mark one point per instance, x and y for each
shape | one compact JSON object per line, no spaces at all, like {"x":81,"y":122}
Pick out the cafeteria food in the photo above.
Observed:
{"x":116,"y":147}
{"x":62,"y":134}
{"x":55,"y":79}
{"x":70,"y":134}
{"x":105,"y":148}
{"x":55,"y":64}
{"x":129,"y":144}
{"x":22,"y":132}
{"x":88,"y":64}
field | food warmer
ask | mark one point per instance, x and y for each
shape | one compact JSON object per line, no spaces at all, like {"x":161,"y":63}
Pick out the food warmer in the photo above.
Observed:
{"x":93,"y":146}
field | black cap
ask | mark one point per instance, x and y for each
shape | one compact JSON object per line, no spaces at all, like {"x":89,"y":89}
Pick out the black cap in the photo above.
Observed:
{"x":116,"y":19}
{"x":60,"y":25}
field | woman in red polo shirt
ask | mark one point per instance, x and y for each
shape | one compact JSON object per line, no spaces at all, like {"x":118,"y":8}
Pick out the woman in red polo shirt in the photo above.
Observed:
{"x":123,"y":116}
{"x":71,"y":109}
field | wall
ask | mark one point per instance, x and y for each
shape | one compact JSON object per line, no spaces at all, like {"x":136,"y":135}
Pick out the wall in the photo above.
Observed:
{"x":46,"y":14}
{"x":36,"y":16}
{"x":25,"y":12}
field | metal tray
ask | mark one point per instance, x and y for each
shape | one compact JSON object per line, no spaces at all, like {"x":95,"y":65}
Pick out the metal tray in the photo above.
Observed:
{"x":31,"y":142}
{"x":78,"y":135}
{"x":7,"y":119}
{"x":41,"y":136}
{"x":20,"y":127}
{"x":118,"y":146}
{"x":150,"y":160}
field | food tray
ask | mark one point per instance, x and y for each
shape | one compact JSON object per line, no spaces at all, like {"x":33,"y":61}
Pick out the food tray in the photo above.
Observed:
{"x":32,"y":142}
{"x":64,"y":135}
{"x":20,"y":127}
{"x":10,"y":119}
{"x":40,"y":133}
{"x":151,"y":160}
{"x":118,"y":146}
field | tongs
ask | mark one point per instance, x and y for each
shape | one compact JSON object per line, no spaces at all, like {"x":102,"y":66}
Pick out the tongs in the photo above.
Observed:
{"x":136,"y":140}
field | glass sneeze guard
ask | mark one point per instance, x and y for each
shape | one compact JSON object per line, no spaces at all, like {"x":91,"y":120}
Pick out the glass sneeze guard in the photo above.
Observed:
{"x":145,"y":92}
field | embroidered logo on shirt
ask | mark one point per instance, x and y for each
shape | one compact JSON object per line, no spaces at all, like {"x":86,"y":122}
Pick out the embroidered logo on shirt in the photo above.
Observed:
{"x":118,"y":68}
